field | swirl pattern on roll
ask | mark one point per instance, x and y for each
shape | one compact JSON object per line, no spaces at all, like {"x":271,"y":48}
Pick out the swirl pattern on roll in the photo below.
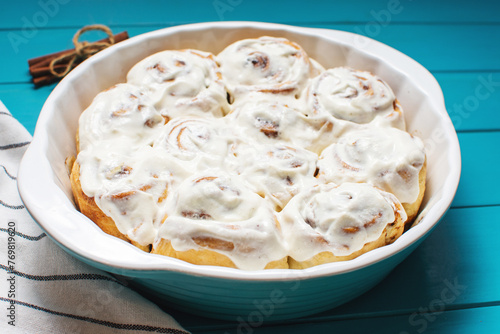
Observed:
{"x":267,"y":65}
{"x":199,"y":142}
{"x":182,"y":83}
{"x":355,"y":96}
{"x":120,"y":111}
{"x":270,"y":120}
{"x":388,"y":158}
{"x":218,"y":212}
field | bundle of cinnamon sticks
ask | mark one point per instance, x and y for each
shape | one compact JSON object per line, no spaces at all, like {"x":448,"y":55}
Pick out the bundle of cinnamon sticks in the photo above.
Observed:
{"x":39,"y":67}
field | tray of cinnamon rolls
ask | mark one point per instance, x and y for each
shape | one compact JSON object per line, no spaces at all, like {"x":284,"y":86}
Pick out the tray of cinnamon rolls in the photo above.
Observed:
{"x":256,"y":157}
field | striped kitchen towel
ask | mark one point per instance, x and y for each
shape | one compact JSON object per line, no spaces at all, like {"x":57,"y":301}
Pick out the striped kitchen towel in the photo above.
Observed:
{"x":45,"y":290}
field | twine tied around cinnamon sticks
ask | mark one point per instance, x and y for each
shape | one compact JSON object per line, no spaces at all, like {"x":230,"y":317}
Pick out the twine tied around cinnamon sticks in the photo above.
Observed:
{"x":83,"y":50}
{"x":51,"y":68}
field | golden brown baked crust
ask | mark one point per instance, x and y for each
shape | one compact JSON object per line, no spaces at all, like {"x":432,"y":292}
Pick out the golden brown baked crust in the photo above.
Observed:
{"x":208,"y":255}
{"x":412,"y":208}
{"x":89,"y":208}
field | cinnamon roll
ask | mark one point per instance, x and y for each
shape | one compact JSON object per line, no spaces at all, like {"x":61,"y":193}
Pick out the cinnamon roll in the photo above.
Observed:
{"x":276,"y":172}
{"x":214,"y":219}
{"x":120,"y":111}
{"x":329,"y":223}
{"x":388,"y":158}
{"x":267,"y":65}
{"x":123,"y":192}
{"x":356,"y":96}
{"x":182,"y":83}
{"x":199,"y":142}
{"x":268,"y":119}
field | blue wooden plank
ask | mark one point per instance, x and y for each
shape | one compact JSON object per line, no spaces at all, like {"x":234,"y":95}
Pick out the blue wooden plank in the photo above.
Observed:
{"x":456,"y":268}
{"x":476,"y":320}
{"x":437,"y":47}
{"x":479,"y":183}
{"x":450,"y":47}
{"x":17,"y":51}
{"x":449,"y":257}
{"x":24,"y":102}
{"x":65,"y":13}
{"x":451,"y":267}
{"x":472,"y":99}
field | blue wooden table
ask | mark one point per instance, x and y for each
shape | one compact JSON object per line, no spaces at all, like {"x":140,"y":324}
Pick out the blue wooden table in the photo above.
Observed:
{"x":451,"y":283}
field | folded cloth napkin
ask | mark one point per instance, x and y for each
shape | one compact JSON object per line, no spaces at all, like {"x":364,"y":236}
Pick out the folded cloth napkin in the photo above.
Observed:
{"x":45,"y":290}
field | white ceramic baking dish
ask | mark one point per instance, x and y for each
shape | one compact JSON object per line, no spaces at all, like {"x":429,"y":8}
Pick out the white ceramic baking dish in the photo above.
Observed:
{"x":224,"y":292}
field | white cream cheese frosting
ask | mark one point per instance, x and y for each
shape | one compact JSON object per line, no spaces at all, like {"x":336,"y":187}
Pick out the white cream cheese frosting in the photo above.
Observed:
{"x":388,"y":158}
{"x":266,"y":64}
{"x":121,"y":111}
{"x":270,"y":119}
{"x":277,"y":172}
{"x":182,"y":83}
{"x":200,"y":143}
{"x":355,"y":96}
{"x":221,"y":207}
{"x":129,"y":186}
{"x":337,"y":219}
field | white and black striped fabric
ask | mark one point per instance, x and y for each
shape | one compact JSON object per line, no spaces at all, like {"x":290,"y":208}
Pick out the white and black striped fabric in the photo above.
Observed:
{"x":42,"y":288}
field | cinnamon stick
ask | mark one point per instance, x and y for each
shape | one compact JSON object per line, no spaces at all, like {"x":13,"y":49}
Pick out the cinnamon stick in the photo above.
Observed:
{"x":40,"y":71}
{"x":39,"y":67}
{"x":44,"y":80}
{"x":46,"y":59}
